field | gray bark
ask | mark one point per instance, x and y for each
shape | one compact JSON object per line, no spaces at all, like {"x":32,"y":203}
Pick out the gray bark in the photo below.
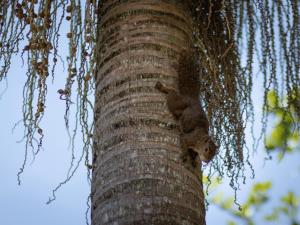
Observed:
{"x":138,"y":177}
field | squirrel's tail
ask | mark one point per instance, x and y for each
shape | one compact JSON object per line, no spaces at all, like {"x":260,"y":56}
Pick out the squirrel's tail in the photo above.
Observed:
{"x":162,"y":88}
{"x":188,"y":73}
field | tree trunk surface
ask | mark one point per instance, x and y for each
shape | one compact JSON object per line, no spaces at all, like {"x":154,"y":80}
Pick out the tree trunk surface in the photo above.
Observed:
{"x":138,"y":176}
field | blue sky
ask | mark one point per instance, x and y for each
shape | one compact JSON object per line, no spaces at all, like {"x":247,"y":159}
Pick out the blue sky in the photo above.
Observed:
{"x":25,"y":204}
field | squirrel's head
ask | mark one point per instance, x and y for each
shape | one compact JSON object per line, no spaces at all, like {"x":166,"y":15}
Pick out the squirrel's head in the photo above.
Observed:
{"x":206,"y":149}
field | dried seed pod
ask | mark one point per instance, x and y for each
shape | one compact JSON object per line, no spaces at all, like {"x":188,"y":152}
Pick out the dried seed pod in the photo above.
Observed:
{"x":69,"y":8}
{"x":26,"y":48}
{"x":20,"y":15}
{"x":40,"y":131}
{"x":47,"y":23}
{"x":88,"y":39}
{"x":49,"y":46}
{"x":43,"y":45}
{"x":87,"y":77}
{"x":41,"y":107}
{"x":28,"y":20}
{"x":33,"y":28}
{"x":42,"y":14}
{"x":61,"y":91}
{"x":74,"y":50}
{"x":33,"y":46}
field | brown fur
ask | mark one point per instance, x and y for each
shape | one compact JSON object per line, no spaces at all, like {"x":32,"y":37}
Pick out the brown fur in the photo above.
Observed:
{"x":185,"y":106}
{"x":198,"y":141}
{"x":176,"y":102}
{"x":194,"y":126}
{"x":192,"y":117}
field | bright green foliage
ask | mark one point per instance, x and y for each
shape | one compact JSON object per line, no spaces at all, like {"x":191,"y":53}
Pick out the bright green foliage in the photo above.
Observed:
{"x":284,"y":135}
{"x":231,"y":223}
{"x":289,"y":207}
{"x":257,"y":204}
{"x":257,"y":197}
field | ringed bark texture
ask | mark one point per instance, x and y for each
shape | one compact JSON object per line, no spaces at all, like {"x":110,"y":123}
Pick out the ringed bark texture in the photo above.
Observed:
{"x":138,"y":176}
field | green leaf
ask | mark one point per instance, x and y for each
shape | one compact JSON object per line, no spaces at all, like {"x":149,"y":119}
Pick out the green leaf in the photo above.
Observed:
{"x":228,"y":203}
{"x":290,"y":199}
{"x":262,"y":186}
{"x":217,"y":199}
{"x":272,"y":217}
{"x":272,"y":99}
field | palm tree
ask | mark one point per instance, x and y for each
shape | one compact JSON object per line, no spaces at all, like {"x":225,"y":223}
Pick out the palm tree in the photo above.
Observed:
{"x":138,"y":176}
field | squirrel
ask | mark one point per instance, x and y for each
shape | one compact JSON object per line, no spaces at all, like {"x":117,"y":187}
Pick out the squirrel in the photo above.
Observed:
{"x":197,"y":141}
{"x":186,"y":108}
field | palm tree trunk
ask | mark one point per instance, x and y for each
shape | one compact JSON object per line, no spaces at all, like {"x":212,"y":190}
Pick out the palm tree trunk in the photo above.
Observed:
{"x":138,"y":177}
